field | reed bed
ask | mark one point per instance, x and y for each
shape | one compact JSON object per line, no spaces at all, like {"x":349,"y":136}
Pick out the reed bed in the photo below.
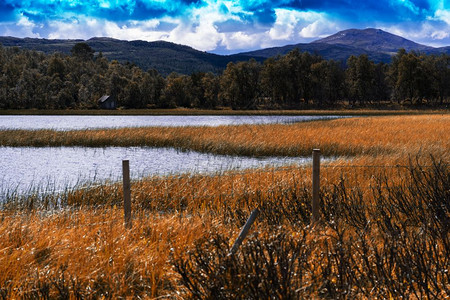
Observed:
{"x":215,"y":193}
{"x":344,"y":137}
{"x":384,"y":234}
{"x":384,"y":231}
{"x":89,"y":254}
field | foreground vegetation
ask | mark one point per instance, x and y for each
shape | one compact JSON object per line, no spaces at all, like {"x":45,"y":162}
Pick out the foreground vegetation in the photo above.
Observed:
{"x":384,"y":231}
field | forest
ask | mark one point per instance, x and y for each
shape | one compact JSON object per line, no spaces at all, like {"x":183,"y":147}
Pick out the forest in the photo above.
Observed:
{"x":34,"y":80}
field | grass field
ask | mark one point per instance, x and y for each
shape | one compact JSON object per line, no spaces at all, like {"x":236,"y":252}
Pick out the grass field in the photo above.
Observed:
{"x":385,"y":208}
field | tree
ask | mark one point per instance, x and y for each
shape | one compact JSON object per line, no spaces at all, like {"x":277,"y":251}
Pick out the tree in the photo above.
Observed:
{"x":132,"y":97}
{"x":274,"y":81}
{"x":211,"y":88}
{"x":151,"y":86}
{"x":116,"y":78}
{"x":436,"y":73}
{"x":177,"y":91}
{"x":442,"y":77}
{"x":382,"y":90}
{"x":56,"y":66}
{"x":293,"y":73}
{"x":239,"y":84}
{"x":393,"y":74}
{"x":82,"y":51}
{"x":410,"y":80}
{"x":327,"y":79}
{"x":360,"y":76}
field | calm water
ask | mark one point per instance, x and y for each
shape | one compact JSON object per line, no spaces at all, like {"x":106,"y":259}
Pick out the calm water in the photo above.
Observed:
{"x":24,"y":168}
{"x":91,"y":122}
{"x":65,"y":167}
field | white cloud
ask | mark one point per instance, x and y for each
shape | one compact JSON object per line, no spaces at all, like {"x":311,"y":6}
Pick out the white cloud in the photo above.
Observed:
{"x":81,"y":28}
{"x":199,"y":30}
{"x":301,"y":26}
{"x":443,"y":15}
{"x":427,"y":33}
{"x":24,"y":27}
{"x":241,"y":40}
{"x":289,"y":22}
{"x":224,"y":26}
{"x":409,"y":5}
{"x":319,"y":29}
{"x":440,"y":35}
{"x":85,"y":28}
{"x":136,"y":30}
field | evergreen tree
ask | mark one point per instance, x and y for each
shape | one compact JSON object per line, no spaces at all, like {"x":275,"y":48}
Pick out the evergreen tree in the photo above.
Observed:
{"x":82,"y":51}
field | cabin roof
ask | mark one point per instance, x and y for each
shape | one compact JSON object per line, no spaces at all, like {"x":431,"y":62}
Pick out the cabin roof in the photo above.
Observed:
{"x":103,"y":98}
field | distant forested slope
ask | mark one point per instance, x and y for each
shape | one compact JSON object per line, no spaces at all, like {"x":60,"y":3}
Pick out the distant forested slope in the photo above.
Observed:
{"x":166,"y":57}
{"x":162,"y":56}
{"x":297,"y":80}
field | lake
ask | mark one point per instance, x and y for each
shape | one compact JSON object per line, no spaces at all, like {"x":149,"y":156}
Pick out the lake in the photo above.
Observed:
{"x":25,"y":168}
{"x":92,"y":122}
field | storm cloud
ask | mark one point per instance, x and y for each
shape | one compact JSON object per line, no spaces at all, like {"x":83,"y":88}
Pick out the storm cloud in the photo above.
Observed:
{"x":224,"y":26}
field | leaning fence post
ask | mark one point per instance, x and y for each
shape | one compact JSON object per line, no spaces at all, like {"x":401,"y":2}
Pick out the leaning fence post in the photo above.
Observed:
{"x":244,"y":231}
{"x":315,"y":186}
{"x":126,"y":193}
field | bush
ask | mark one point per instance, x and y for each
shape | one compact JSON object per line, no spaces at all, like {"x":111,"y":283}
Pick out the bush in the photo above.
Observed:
{"x":391,"y":244}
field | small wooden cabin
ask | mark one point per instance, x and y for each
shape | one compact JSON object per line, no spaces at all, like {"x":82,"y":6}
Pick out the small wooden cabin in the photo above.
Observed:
{"x":107,"y":102}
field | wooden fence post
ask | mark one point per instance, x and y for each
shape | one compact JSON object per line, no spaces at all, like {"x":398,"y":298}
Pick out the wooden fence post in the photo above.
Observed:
{"x":126,"y":193}
{"x":315,"y":186}
{"x":244,"y":231}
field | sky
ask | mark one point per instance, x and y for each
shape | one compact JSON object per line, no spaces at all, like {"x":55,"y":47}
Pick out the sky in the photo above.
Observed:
{"x":224,"y":27}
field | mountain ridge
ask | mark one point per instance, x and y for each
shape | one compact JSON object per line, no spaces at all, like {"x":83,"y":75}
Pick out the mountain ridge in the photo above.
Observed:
{"x":372,"y":39}
{"x":167,"y":57}
{"x":343,"y":44}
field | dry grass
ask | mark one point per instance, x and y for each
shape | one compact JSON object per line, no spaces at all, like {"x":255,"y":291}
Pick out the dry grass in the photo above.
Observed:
{"x":374,"y":136}
{"x":89,"y":252}
{"x":83,"y":250}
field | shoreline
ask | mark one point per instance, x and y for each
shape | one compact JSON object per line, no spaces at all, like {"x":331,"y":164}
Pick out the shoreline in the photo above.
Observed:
{"x":187,"y":112}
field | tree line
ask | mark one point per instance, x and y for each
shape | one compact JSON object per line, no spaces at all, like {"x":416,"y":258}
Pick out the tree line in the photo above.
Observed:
{"x":31,"y":79}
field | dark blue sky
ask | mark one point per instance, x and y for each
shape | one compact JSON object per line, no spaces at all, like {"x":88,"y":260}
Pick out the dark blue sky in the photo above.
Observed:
{"x":224,"y":26}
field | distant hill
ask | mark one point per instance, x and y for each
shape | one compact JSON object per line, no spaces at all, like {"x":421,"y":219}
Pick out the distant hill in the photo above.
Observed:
{"x":444,"y":50}
{"x":375,"y":40}
{"x":377,"y":44}
{"x":327,"y":51}
{"x":163,"y":56}
{"x":169,"y":57}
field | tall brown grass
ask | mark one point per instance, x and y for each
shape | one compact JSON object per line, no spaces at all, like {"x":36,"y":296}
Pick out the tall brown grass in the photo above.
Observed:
{"x":75,"y":245}
{"x":372,"y":136}
{"x":184,"y":224}
{"x":89,"y":253}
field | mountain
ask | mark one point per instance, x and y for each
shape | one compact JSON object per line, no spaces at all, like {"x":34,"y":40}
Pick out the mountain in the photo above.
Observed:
{"x":379,"y":46}
{"x":169,"y":57}
{"x":163,"y":56}
{"x":444,"y":50}
{"x":371,"y":39}
{"x":327,"y":51}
